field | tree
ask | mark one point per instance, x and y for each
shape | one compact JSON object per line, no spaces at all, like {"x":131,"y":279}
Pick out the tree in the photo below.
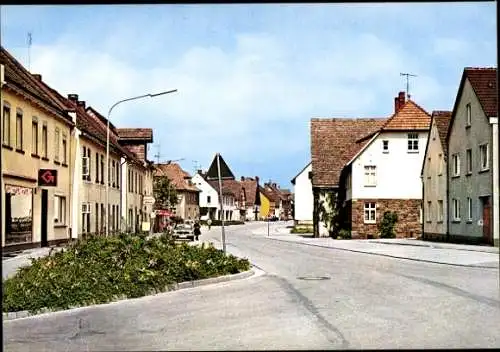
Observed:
{"x":386,"y":226}
{"x":164,"y":192}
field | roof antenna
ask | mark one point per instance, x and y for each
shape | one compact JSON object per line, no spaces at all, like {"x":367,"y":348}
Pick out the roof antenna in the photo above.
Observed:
{"x":157,"y":155}
{"x":29,"y":50}
{"x":408,"y":75}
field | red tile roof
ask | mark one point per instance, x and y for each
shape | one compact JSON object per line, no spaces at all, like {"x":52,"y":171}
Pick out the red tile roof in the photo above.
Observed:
{"x":442,"y":120}
{"x":176,"y":175}
{"x":409,"y":117}
{"x":484,"y":83}
{"x":250,"y":187}
{"x":229,"y":187}
{"x":334,"y":143}
{"x":142,"y":134}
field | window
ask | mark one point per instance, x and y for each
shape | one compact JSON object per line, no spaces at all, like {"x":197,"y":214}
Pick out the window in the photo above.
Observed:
{"x":65,"y":149}
{"x":469,"y":209}
{"x":456,"y":210}
{"x":44,"y":141}
{"x":102,"y":169}
{"x":469,"y":116}
{"x":413,"y":142}
{"x":113,"y":173}
{"x":456,"y":164}
{"x":370,"y":175}
{"x":118,"y":175}
{"x":370,"y":213}
{"x":468,"y":154}
{"x":85,"y":217}
{"x":60,"y":210}
{"x":96,"y":167}
{"x":440,"y":215}
{"x":19,"y":129}
{"x":440,"y":164}
{"x":429,"y":211}
{"x":56,"y":144}
{"x":85,"y":164}
{"x":96,"y":218}
{"x":385,"y":146}
{"x":483,"y":157}
{"x":6,"y":124}
{"x":209,"y":199}
{"x":34,"y":136}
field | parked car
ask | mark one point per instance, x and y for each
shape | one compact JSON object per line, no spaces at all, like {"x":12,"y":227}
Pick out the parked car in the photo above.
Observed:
{"x":185,"y":230}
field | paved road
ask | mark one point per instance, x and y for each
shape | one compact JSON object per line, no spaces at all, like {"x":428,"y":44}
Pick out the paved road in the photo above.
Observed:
{"x":367,"y":302}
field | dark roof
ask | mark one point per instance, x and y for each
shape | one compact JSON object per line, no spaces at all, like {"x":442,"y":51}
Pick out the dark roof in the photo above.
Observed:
{"x":213,"y":171}
{"x":484,"y":83}
{"x":251,"y":188}
{"x":20,"y":80}
{"x":442,"y":120}
{"x":176,"y":175}
{"x":229,"y":187}
{"x":135,"y":134}
{"x":334,"y":142}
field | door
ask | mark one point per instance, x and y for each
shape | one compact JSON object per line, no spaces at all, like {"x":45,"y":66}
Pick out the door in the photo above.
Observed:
{"x":45,"y":203}
{"x":487,"y":233}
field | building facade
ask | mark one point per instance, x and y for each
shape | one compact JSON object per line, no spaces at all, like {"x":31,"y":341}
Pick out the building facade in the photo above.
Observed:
{"x":303,"y":197}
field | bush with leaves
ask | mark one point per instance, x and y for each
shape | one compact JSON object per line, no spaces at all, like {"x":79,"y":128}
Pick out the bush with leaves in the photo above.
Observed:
{"x":344,"y":234}
{"x":386,"y":226}
{"x":302,"y":229}
{"x":100,"y":270}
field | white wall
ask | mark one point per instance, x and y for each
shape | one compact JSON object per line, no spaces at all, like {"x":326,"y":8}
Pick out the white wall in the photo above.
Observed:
{"x":398,"y":171}
{"x":206,"y":190}
{"x":303,"y":196}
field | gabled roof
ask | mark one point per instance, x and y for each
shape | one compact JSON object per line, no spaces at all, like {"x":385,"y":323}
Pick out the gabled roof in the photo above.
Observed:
{"x":301,"y":171}
{"x":334,"y":143}
{"x":213,"y":170}
{"x":251,"y":188}
{"x":484,"y":83}
{"x":410,"y":116}
{"x":135,"y":134}
{"x":229,"y":187}
{"x":441,"y":119}
{"x":20,"y":80}
{"x":266,"y":193}
{"x":177,"y":176}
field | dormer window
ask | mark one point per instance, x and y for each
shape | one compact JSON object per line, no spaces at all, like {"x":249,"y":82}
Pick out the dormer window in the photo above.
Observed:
{"x":469,"y":116}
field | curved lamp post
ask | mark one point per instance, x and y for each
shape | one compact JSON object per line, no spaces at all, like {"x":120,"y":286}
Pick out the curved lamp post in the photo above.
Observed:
{"x":106,"y":217}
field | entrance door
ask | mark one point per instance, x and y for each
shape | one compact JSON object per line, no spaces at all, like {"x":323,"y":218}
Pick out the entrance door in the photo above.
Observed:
{"x":487,"y":235}
{"x":45,"y":204}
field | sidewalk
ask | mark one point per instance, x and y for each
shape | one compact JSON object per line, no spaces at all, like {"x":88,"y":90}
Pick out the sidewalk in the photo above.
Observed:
{"x":10,"y":265}
{"x":441,"y":253}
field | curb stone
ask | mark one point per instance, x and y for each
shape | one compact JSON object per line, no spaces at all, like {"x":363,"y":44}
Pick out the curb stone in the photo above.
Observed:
{"x":386,"y":255}
{"x":169,"y":288}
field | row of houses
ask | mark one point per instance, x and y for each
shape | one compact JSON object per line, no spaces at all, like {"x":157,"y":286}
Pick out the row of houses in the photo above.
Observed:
{"x":438,"y":171}
{"x":54,"y":166}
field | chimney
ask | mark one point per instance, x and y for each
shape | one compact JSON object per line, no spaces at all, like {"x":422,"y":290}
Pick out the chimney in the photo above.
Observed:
{"x":399,"y":101}
{"x":396,"y":105}
{"x":200,"y":172}
{"x":73,"y":97}
{"x":274,"y":185}
{"x":242,"y":178}
{"x":81,"y":103}
{"x":37,"y":76}
{"x":257,"y":179}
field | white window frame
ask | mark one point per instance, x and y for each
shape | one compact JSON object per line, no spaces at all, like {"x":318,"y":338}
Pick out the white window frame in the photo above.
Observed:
{"x":57,"y":140}
{"x":413,"y":142}
{"x":370,"y":208}
{"x":385,"y":146}
{"x":468,"y":161}
{"x":468,"y":117}
{"x":482,"y":157}
{"x":85,"y":166}
{"x":469,"y":209}
{"x":86,"y":208}
{"x":440,"y":212}
{"x":456,"y":209}
{"x":370,"y":175}
{"x":456,"y":164}
{"x":60,"y":210}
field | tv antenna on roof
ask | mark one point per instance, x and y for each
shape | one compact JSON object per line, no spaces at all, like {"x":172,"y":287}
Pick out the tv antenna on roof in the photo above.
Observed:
{"x":157,"y":155}
{"x":408,"y":75}
{"x":30,"y":39}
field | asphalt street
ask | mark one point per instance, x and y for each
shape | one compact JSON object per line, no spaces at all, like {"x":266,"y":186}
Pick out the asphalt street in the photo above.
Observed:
{"x":306,"y":297}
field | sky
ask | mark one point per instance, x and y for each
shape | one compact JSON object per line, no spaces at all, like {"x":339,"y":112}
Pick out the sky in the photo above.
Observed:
{"x":250,"y":76}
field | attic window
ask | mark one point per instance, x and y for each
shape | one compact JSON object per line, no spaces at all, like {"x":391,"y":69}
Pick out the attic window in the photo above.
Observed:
{"x":469,"y":116}
{"x":385,"y":146}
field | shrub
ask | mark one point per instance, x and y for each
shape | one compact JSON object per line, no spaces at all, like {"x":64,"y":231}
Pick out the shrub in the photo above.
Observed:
{"x":344,"y":234}
{"x":100,"y":270}
{"x":301,"y":229}
{"x":386,"y":226}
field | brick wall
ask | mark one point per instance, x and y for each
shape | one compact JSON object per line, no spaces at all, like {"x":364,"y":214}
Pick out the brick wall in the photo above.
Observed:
{"x":408,"y":211}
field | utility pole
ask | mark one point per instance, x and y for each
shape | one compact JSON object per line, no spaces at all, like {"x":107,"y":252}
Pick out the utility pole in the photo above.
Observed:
{"x":408,"y":75}
{"x":29,"y":50}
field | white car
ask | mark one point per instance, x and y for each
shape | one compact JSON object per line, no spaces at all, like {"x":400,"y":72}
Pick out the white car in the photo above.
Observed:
{"x":185,"y":230}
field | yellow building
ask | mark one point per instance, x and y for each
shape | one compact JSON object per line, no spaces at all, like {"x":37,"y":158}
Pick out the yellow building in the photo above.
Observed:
{"x":36,"y":135}
{"x":265,"y":204}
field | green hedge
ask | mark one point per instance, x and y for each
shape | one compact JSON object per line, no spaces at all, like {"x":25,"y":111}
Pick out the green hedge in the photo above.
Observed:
{"x":302,"y":229}
{"x":100,"y":270}
{"x":226,"y":223}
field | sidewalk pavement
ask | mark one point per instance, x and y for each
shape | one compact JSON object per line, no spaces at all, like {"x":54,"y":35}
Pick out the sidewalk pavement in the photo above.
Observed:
{"x":441,"y":253}
{"x":10,"y":265}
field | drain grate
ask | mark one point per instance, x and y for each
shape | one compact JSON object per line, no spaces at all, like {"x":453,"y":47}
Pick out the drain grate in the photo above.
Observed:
{"x":313,"y":278}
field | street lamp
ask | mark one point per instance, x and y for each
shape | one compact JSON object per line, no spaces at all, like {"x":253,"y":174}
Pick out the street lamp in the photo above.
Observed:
{"x":106,"y":218}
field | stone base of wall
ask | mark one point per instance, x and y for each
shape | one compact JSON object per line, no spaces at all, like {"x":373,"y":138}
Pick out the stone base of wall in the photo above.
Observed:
{"x":408,"y":210}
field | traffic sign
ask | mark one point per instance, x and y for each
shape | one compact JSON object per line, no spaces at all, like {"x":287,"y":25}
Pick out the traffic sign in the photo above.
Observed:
{"x":148,"y":200}
{"x":47,"y":177}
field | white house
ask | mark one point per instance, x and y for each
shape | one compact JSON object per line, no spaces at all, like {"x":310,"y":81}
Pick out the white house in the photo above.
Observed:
{"x":209,"y":198}
{"x":303,"y":197}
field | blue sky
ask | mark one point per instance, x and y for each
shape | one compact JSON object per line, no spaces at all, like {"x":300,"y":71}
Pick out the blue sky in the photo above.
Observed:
{"x":250,"y":77}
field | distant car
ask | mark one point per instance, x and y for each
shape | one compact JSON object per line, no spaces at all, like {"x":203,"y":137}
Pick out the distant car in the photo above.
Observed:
{"x":185,"y":230}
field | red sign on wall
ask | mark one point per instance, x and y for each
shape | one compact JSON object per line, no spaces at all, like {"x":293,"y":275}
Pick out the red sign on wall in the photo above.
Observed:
{"x":47,"y":177}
